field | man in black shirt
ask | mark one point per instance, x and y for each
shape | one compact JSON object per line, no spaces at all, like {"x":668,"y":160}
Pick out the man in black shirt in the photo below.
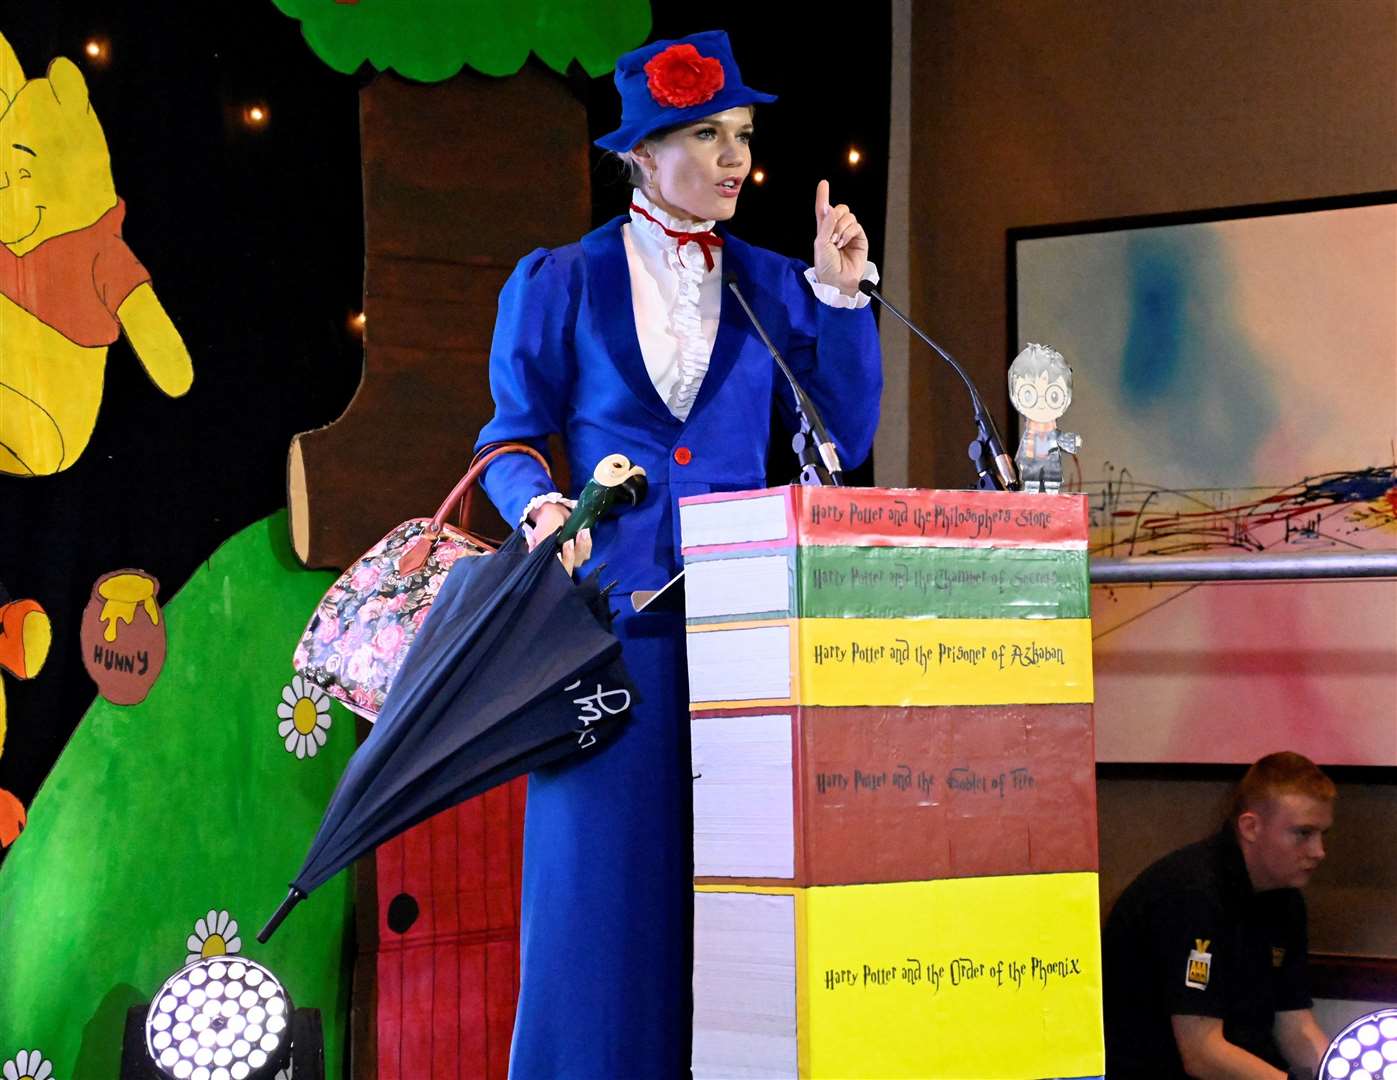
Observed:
{"x":1205,"y":953}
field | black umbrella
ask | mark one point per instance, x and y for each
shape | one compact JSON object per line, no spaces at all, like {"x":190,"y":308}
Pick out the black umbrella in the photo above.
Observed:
{"x":516,"y":667}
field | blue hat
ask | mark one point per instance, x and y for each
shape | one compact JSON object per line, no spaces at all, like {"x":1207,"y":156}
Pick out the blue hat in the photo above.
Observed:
{"x":667,"y":83}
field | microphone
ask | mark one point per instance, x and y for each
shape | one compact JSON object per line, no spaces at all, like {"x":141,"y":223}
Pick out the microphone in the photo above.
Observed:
{"x":819,"y":460}
{"x":988,"y":448}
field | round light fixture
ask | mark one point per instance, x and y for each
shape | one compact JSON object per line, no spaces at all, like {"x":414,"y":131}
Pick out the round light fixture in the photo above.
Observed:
{"x":98,"y":51}
{"x":220,"y":1018}
{"x":1365,"y":1050}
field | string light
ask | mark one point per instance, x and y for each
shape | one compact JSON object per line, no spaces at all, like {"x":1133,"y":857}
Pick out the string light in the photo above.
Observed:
{"x":854,"y":155}
{"x":256,"y":115}
{"x":358,"y":322}
{"x":758,"y":176}
{"x":96,"y":50}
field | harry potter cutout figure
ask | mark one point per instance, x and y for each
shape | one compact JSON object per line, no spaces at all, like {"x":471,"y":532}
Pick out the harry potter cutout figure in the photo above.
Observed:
{"x":1040,"y":386}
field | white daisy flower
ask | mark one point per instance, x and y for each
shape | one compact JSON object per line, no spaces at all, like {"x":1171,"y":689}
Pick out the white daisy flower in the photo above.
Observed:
{"x":214,"y":935}
{"x":27,"y":1065}
{"x":305,"y":717}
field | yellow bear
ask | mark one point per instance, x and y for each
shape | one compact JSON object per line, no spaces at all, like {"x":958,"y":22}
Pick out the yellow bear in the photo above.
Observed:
{"x":68,"y":283}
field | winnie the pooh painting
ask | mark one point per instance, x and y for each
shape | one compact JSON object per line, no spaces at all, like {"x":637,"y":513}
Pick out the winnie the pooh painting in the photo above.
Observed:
{"x":69,"y":285}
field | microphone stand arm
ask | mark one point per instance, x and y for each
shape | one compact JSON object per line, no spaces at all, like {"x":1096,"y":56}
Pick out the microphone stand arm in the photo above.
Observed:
{"x":819,"y":460}
{"x":994,"y":470}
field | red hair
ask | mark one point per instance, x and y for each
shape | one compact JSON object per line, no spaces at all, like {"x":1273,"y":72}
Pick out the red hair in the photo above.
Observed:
{"x":1283,"y":773}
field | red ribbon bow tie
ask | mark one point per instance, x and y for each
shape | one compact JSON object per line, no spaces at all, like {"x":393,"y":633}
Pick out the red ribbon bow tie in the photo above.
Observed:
{"x":705,"y":240}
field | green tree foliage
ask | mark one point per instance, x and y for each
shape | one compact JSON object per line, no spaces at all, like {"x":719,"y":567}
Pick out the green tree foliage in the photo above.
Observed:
{"x":431,"y":40}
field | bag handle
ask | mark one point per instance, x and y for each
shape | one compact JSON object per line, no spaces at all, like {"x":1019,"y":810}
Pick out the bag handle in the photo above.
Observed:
{"x":465,"y":487}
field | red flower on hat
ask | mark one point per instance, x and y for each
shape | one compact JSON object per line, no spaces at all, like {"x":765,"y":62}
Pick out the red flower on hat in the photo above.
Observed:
{"x":679,"y":76}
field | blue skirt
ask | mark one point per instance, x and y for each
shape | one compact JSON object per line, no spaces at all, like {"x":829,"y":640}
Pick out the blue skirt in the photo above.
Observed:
{"x":606,"y":938}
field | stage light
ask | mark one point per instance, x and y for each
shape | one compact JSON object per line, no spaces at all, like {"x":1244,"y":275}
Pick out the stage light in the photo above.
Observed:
{"x":1365,"y":1050}
{"x":854,"y":156}
{"x":758,"y":176}
{"x":220,"y":1018}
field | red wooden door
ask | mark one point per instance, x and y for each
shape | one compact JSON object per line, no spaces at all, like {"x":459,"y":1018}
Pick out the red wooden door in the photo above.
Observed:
{"x":448,"y":932}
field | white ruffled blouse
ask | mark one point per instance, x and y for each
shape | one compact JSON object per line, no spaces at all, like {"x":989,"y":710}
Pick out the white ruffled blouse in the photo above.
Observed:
{"x":677,"y":301}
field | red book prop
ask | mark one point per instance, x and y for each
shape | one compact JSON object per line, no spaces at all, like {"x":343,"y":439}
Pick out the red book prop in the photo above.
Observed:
{"x":843,"y":796}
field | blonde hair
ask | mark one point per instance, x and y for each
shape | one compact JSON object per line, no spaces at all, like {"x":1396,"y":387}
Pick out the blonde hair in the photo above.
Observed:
{"x":627,"y":166}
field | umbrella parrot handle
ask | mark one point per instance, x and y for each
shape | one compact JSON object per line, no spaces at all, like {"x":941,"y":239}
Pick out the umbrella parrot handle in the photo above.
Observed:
{"x":615,"y":482}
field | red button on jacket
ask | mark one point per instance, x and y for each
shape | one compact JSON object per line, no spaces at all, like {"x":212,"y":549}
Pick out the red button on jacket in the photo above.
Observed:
{"x":683,"y":455}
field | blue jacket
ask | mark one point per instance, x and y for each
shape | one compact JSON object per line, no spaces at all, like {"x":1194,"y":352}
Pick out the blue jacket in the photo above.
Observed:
{"x":566,"y":359}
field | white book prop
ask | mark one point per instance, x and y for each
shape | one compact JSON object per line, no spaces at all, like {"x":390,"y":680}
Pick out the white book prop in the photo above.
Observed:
{"x":744,"y":807}
{"x":747,"y":664}
{"x":734,"y":521}
{"x":744,"y":986}
{"x":736,"y":587}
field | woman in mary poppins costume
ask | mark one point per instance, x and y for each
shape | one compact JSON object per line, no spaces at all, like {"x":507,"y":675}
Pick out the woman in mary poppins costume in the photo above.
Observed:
{"x":627,"y":342}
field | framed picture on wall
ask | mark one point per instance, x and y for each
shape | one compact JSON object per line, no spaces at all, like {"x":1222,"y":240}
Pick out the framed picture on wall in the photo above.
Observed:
{"x":1235,"y":382}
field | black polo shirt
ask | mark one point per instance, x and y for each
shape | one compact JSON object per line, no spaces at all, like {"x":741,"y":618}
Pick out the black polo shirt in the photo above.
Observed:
{"x":1190,"y":937}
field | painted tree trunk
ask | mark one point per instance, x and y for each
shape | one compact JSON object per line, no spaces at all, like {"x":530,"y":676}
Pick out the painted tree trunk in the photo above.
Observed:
{"x":461,"y":179}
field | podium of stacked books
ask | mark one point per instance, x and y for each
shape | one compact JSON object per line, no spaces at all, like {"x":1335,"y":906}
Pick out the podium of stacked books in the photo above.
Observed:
{"x":894,"y":791}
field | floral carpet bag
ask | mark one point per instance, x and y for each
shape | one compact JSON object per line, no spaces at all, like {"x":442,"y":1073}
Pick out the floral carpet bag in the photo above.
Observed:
{"x":360,"y":633}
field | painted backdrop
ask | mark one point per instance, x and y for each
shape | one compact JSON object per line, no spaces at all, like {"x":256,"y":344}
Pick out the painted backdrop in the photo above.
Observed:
{"x":1236,"y":384}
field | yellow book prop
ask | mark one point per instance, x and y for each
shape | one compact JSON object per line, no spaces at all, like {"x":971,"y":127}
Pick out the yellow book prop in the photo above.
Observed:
{"x":894,"y":662}
{"x":970,"y":978}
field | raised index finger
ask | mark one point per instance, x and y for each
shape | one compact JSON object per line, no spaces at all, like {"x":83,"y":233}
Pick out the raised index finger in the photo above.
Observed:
{"x":821,"y":201}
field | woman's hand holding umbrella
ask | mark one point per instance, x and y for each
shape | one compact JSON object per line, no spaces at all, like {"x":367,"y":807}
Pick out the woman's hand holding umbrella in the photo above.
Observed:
{"x":615,"y":483}
{"x":548,"y":519}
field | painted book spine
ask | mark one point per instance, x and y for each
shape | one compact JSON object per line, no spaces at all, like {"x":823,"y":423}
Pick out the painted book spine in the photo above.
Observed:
{"x":881,"y":517}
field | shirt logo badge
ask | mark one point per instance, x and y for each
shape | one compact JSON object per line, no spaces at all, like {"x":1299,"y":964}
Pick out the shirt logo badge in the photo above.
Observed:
{"x":1200,"y":965}
{"x":1277,"y":956}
